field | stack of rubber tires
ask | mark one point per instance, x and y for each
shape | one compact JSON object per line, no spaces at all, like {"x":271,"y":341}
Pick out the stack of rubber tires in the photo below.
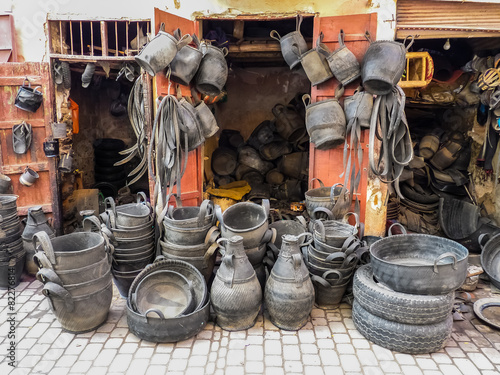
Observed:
{"x":12,"y":253}
{"x":407,"y":323}
{"x":108,"y":177}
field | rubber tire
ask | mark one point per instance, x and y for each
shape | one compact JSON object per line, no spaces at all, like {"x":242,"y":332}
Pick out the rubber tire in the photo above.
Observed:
{"x":109,"y":144}
{"x":403,"y":338}
{"x":108,"y":170}
{"x":111,"y":177}
{"x":107,"y":154}
{"x":107,"y":162}
{"x":399,"y":307}
{"x":66,"y":73}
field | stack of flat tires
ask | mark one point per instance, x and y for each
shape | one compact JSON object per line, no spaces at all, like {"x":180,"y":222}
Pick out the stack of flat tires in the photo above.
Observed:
{"x":108,"y":177}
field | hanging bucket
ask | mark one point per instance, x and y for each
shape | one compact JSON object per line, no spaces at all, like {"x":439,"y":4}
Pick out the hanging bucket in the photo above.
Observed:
{"x":325,"y":121}
{"x":58,"y":130}
{"x":383,"y":65}
{"x":66,"y":163}
{"x":212,"y":73}
{"x":160,"y":51}
{"x":186,"y":62}
{"x":28,"y":177}
{"x":343,"y":64}
{"x":286,"y":43}
{"x":314,"y":63}
{"x":5,"y":183}
{"x":51,"y":148}
{"x":28,"y":99}
{"x":359,"y":106}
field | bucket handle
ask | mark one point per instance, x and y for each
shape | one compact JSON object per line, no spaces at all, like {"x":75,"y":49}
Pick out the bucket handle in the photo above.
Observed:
{"x":321,"y":231}
{"x":320,"y":280}
{"x":298,"y":22}
{"x":301,"y":220}
{"x":305,"y":234}
{"x":305,"y":254}
{"x":206,"y":208}
{"x":480,"y":239}
{"x":196,"y":41}
{"x":141,"y":198}
{"x":324,"y":210}
{"x":41,"y":260}
{"x":209,"y":253}
{"x":47,"y":248}
{"x":306,"y":99}
{"x":336,"y":281}
{"x":339,"y":91}
{"x":212,"y":235}
{"x":389,"y":231}
{"x":341,"y":38}
{"x":448,"y":254}
{"x":26,"y":80}
{"x":337,"y":255}
{"x":345,"y":219}
{"x":218,"y":214}
{"x":46,"y":275}
{"x":156,"y":311}
{"x":332,"y":190}
{"x":278,"y":109}
{"x":111,"y":202}
{"x":222,"y":247}
{"x":350,"y":260}
{"x":412,"y":40}
{"x":275,"y":35}
{"x":184,"y":41}
{"x":88,"y":221}
{"x":296,"y":51}
{"x":51,"y":288}
{"x":265,"y":206}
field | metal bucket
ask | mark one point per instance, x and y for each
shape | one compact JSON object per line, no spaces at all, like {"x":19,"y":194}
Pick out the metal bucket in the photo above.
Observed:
{"x":287,"y":41}
{"x":333,"y":232}
{"x":326,"y":294}
{"x":212,"y":73}
{"x":383,"y":65}
{"x":245,"y":219}
{"x":82,"y":289}
{"x":190,"y":217}
{"x":134,"y":253}
{"x":79,"y":314}
{"x":130,"y":215}
{"x":205,"y":264}
{"x":186,"y":62}
{"x":289,"y":124}
{"x":160,"y":51}
{"x":8,"y":201}
{"x":123,"y":280}
{"x":343,"y":64}
{"x":325,"y":122}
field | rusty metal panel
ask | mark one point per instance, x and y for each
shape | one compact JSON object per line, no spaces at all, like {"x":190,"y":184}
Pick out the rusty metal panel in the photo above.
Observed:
{"x":45,"y":191}
{"x":447,"y":19}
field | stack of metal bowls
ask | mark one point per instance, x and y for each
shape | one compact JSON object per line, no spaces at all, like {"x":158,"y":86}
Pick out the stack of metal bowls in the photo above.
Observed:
{"x":168,"y":302}
{"x":332,"y":258}
{"x":76,"y":272}
{"x":187,"y":235}
{"x":12,"y":254}
{"x":132,"y":229}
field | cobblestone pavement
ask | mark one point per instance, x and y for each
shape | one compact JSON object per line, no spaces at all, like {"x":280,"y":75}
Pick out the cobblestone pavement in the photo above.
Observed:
{"x":328,"y":344}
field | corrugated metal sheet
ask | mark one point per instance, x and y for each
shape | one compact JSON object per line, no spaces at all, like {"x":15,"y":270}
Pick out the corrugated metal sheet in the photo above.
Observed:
{"x":446,"y":19}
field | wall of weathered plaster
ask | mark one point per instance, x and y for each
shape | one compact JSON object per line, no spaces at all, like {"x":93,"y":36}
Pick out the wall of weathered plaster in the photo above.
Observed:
{"x":30,"y":15}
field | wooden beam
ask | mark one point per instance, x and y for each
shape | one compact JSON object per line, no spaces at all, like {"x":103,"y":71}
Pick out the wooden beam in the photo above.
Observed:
{"x":76,"y":58}
{"x":19,"y":168}
{"x":104,"y":38}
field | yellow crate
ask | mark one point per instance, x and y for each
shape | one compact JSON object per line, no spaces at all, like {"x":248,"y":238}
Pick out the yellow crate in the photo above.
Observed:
{"x":419,"y":70}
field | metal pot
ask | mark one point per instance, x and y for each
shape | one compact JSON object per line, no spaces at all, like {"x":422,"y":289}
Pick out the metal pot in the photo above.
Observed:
{"x":192,"y":217}
{"x":333,"y":232}
{"x":419,"y":263}
{"x":212,"y":73}
{"x":58,"y":131}
{"x":14,"y":261}
{"x":287,"y":41}
{"x":160,"y":51}
{"x":206,"y":119}
{"x":130,"y":215}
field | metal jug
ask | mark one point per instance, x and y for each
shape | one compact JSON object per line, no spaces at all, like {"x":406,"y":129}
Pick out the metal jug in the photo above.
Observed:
{"x":236,"y":294}
{"x":286,"y":43}
{"x":289,"y":292}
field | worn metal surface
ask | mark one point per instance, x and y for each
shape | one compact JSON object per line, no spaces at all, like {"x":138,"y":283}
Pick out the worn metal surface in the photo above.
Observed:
{"x":45,"y":191}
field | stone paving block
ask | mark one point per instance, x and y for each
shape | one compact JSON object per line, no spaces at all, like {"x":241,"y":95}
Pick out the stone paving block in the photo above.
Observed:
{"x":67,"y":360}
{"x":132,"y":338}
{"x":349,"y":362}
{"x":255,"y":340}
{"x":201,"y":347}
{"x":341,"y":338}
{"x":382,"y":354}
{"x":361,"y":343}
{"x":254,"y":352}
{"x":113,"y":343}
{"x":180,"y":353}
{"x":138,"y":366}
{"x":197,"y":360}
{"x":290,"y":340}
{"x":237,"y":344}
{"x":194,"y":371}
{"x":272,"y":347}
{"x":129,"y":347}
{"x":98,"y":371}
{"x":44,"y":367}
{"x":329,"y":357}
{"x":411,"y":370}
{"x":468,"y":346}
{"x":322,"y":332}
{"x":293,"y":366}
{"x":210,"y":368}
{"x":313,"y":370}
{"x":204,"y":335}
{"x":455,"y":352}
{"x":466,"y":366}
{"x":441,"y":358}
{"x":222,"y":352}
{"x":254,"y":367}
{"x":318,"y":322}
{"x":492,"y":354}
{"x":345,"y":349}
{"x":480,"y":361}
{"x":272,"y":335}
{"x":99,"y":337}
{"x":120,"y":363}
{"x":144,"y":353}
{"x":106,"y":327}
{"x":426,"y":364}
{"x":81,"y":367}
{"x":273,"y":361}
{"x":367,"y":358}
{"x":337,"y":327}
{"x":177,"y":364}
{"x":311,"y":359}
{"x":63,"y":340}
{"x":291,"y":352}
{"x":306,"y":336}
{"x":309,"y":349}
{"x":354,"y":334}
{"x":390,"y":367}
{"x":371,"y":370}
{"x":37,"y":330}
{"x":235,"y":357}
{"x":90,"y":352}
{"x":256,"y":330}
{"x":432,"y":372}
{"x":274,"y":371}
{"x":349,"y":324}
{"x":235,"y":370}
{"x":334,"y":316}
{"x":53,"y":354}
{"x":105,"y":357}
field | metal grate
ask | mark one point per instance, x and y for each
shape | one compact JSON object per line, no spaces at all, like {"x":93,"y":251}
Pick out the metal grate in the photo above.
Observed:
{"x":91,"y":39}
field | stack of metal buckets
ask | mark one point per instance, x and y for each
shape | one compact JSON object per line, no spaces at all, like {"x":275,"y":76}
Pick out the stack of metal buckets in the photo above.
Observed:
{"x":131,"y":228}
{"x":188,"y":235}
{"x":249,"y":220}
{"x":12,"y":254}
{"x":76,"y":272}
{"x":331,"y":258}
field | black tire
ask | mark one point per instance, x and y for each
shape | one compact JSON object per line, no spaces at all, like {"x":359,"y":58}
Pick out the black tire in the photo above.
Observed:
{"x":66,"y":73}
{"x":107,"y":189}
{"x":107,"y":162}
{"x":108,"y":170}
{"x":111,"y":177}
{"x":403,"y":338}
{"x":106,"y":154}
{"x":396,"y":306}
